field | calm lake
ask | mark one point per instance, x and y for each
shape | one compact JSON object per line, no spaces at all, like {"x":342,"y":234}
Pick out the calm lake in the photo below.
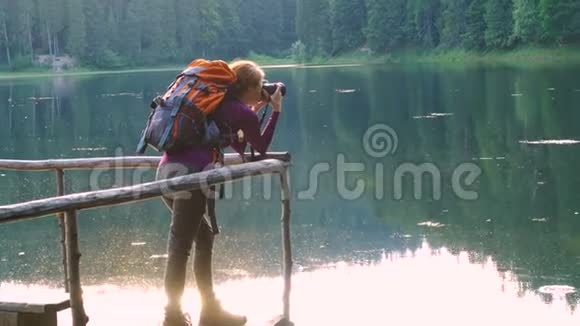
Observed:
{"x":422,"y":195}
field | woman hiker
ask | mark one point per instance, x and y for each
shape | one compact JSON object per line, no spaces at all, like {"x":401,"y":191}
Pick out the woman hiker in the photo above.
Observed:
{"x":238,"y":112}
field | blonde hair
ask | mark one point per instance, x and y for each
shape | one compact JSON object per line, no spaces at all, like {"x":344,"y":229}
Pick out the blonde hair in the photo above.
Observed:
{"x":249,"y":75}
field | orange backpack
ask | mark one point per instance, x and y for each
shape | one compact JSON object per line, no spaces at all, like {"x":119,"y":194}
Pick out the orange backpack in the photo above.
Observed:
{"x":179,"y":118}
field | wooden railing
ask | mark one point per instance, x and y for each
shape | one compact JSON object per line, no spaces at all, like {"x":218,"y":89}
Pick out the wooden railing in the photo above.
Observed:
{"x":66,"y":207}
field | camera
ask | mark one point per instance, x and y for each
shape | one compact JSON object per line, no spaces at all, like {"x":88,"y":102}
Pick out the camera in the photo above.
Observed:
{"x":270,"y":88}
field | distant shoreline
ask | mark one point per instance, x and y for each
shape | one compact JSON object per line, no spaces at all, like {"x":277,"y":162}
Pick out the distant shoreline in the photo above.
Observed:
{"x":517,"y":57}
{"x":86,"y":72}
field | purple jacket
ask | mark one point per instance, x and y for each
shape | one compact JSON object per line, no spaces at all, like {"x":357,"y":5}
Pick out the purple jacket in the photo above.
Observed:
{"x":238,"y":116}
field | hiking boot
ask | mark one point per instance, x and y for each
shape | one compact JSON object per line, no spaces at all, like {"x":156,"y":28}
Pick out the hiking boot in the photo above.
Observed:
{"x":177,"y":319}
{"x":214,"y":315}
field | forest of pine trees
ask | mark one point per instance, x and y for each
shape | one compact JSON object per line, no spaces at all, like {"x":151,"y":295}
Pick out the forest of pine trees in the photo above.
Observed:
{"x":125,"y":33}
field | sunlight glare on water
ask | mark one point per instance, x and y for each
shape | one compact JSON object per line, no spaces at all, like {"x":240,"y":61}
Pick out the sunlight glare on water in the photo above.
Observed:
{"x":428,"y":288}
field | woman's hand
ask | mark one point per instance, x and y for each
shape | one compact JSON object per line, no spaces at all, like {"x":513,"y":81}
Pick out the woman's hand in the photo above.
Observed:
{"x":260,"y":105}
{"x":276,"y":100}
{"x":265,"y":100}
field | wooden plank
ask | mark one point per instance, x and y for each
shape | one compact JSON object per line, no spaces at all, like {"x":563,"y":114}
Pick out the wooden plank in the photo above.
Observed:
{"x":36,"y":308}
{"x":8,"y":318}
{"x":92,"y":199}
{"x":116,"y":162}
{"x":46,"y":319}
{"x":81,"y":163}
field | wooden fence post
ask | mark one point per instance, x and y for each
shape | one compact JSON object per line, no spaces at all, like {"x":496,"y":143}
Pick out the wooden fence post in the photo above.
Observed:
{"x":287,"y":249}
{"x":79,"y":316}
{"x":60,"y":216}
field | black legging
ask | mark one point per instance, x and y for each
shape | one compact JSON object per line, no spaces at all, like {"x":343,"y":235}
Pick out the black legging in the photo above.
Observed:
{"x":187,"y":225}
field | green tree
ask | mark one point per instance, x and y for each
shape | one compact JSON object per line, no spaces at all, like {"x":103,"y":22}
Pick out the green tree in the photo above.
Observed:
{"x":312,"y":25}
{"x":97,"y":44}
{"x":112,"y":28}
{"x":559,"y":20}
{"x":75,"y":29}
{"x":526,"y":20}
{"x":551,"y":19}
{"x":385,"y":26}
{"x":232,"y":38}
{"x":52,"y":19}
{"x":151,"y":23}
{"x":5,"y":41}
{"x":185,"y":38}
{"x":428,"y":19}
{"x":375,"y":32}
{"x":473,"y":39}
{"x":19,"y":28}
{"x":410,"y":24}
{"x":288,"y":34}
{"x":109,"y":33}
{"x":131,"y":47}
{"x":167,"y":42}
{"x":454,"y":22}
{"x":206,"y":21}
{"x":265,"y":25}
{"x":499,"y":21}
{"x":347,"y":21}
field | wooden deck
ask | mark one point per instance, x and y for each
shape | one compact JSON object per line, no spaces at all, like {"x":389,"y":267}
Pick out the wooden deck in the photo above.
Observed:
{"x":32,"y":313}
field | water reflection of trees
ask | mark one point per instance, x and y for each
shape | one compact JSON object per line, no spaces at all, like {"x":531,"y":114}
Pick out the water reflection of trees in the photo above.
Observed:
{"x":524,"y":218}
